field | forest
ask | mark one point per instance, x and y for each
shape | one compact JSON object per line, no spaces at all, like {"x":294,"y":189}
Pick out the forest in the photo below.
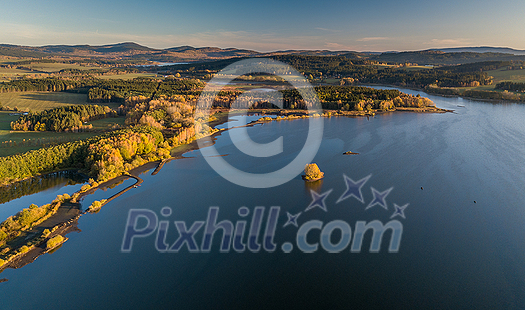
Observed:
{"x":62,"y":119}
{"x":343,"y":98}
{"x":119,"y":90}
{"x":365,"y":71}
{"x":102,"y":157}
{"x":46,"y":84}
{"x":511,"y":86}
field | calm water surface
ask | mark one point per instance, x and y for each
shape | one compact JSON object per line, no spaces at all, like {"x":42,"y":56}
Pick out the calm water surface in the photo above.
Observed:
{"x":455,"y":253}
{"x":39,"y":190}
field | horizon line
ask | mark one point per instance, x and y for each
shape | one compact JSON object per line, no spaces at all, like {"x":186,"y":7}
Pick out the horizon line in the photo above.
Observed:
{"x":262,"y":52}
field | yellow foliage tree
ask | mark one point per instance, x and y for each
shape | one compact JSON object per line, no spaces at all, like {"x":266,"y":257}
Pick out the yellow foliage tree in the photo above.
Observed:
{"x":312,"y":172}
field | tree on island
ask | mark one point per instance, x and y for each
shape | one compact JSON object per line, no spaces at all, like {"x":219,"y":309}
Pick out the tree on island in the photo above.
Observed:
{"x":312,"y":172}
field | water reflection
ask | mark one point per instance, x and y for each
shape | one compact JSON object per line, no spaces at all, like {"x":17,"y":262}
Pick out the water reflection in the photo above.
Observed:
{"x":38,"y":190}
{"x":40,"y":183}
{"x":316,"y":186}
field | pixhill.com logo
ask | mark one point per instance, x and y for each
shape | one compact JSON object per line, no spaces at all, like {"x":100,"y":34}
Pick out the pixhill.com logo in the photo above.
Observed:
{"x":242,"y":140}
{"x":258,"y":233}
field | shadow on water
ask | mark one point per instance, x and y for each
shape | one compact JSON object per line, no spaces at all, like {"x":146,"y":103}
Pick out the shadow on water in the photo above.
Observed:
{"x":39,"y":184}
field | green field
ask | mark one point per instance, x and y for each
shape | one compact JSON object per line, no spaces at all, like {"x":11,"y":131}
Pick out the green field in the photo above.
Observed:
{"x":129,"y":76}
{"x":38,"y":70}
{"x":8,"y":74}
{"x":13,"y":142}
{"x":39,"y":101}
{"x":507,"y":75}
{"x":108,"y":123}
{"x":5,"y":121}
{"x":408,"y":68}
{"x":332,"y":81}
{"x":19,"y":142}
{"x":500,"y":75}
{"x":55,"y":67}
{"x":47,"y":69}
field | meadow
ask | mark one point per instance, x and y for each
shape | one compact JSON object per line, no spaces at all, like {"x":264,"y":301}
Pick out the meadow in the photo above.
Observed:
{"x":129,"y":76}
{"x":42,"y":70}
{"x":55,"y":67}
{"x":14,"y":142}
{"x":22,"y":141}
{"x":39,"y":101}
{"x":501,"y":75}
{"x":8,"y":74}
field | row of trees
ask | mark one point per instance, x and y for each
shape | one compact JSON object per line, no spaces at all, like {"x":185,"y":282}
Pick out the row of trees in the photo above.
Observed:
{"x":345,"y":98}
{"x":27,"y":218}
{"x":61,"y":119}
{"x":111,"y":156}
{"x":165,"y":112}
{"x":111,"y":90}
{"x":365,"y":98}
{"x":511,"y":86}
{"x":118,"y":90}
{"x":89,"y":155}
{"x":477,"y":94}
{"x":425,"y":77}
{"x":46,"y":84}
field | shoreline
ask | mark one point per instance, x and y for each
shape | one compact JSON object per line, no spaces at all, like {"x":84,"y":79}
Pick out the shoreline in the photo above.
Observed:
{"x":443,"y":95}
{"x":65,"y":220}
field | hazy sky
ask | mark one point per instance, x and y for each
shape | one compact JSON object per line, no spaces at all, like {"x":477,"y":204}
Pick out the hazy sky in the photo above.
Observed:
{"x":373,"y":25}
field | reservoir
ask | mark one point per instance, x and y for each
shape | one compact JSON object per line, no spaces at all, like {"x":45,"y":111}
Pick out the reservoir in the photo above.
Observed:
{"x":460,"y":176}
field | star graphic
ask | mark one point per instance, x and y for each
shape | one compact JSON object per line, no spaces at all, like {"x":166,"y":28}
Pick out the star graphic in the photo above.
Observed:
{"x":292,"y":219}
{"x":379,"y":198}
{"x":353,"y":189}
{"x":318,"y":200}
{"x":399,"y":210}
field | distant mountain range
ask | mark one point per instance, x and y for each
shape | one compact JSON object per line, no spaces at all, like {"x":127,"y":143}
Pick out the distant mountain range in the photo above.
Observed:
{"x":131,"y":50}
{"x":137,"y":52}
{"x":481,"y":49}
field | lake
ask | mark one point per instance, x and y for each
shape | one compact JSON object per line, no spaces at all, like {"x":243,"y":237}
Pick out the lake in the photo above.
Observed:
{"x":462,"y":175}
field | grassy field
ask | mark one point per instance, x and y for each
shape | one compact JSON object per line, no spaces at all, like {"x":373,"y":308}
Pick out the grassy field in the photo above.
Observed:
{"x":129,"y":76}
{"x":507,"y":75}
{"x":19,"y":142}
{"x":108,"y":123}
{"x":13,"y":142}
{"x":39,"y":101}
{"x":408,"y":68}
{"x":5,"y":121}
{"x":8,"y":74}
{"x":41,"y":70}
{"x":45,"y":69}
{"x":55,"y":67}
{"x":500,"y":75}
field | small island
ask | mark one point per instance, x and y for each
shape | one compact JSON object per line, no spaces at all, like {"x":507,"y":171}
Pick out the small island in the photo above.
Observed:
{"x":312,"y":173}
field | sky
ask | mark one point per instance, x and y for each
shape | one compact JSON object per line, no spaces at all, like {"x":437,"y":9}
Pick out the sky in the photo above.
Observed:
{"x":373,"y":25}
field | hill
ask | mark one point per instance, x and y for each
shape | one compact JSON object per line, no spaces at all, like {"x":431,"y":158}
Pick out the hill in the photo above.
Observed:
{"x":482,"y":49}
{"x":134,"y":52}
{"x":431,"y":57}
{"x":137,"y":52}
